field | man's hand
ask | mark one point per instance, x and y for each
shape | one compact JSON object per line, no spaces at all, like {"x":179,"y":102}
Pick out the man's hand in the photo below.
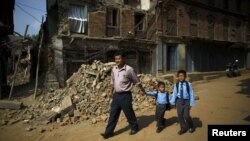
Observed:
{"x":142,"y":89}
{"x":110,"y":95}
{"x":142,"y":93}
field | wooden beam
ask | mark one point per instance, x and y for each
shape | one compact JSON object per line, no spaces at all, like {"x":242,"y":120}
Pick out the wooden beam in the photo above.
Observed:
{"x":5,"y":104}
{"x":38,"y":59}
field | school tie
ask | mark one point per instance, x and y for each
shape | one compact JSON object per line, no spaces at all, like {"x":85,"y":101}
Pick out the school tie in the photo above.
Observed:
{"x":182,"y":93}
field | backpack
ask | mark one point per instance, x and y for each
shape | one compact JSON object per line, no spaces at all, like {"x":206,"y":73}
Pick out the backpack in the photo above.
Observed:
{"x":168,"y":107}
{"x":187,"y":85}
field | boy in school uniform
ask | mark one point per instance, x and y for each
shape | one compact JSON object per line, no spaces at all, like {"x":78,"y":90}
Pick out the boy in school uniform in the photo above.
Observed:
{"x":162,"y":104}
{"x":183,"y":97}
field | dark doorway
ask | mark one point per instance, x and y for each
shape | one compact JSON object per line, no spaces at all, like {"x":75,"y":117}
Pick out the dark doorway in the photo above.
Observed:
{"x":172,"y":57}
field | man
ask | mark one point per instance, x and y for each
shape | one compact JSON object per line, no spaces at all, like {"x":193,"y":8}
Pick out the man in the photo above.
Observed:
{"x":122,"y":79}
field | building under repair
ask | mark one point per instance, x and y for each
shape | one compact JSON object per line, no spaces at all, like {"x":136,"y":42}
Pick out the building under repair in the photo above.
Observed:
{"x":157,"y":35}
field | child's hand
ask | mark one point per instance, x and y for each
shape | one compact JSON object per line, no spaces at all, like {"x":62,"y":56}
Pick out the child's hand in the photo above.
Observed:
{"x":143,"y":93}
{"x":110,"y":94}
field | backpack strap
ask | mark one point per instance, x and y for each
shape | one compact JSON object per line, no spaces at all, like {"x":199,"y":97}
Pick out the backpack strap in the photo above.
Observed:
{"x":167,"y":98}
{"x":177,"y":86}
{"x":188,"y":88}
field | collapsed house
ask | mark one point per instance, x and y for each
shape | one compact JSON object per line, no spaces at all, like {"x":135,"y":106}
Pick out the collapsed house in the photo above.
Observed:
{"x":25,"y":67}
{"x":158,"y":36}
{"x":85,"y":30}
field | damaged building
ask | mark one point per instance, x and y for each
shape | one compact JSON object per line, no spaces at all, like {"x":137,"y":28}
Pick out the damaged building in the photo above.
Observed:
{"x":87,"y":30}
{"x":202,"y":35}
{"x":158,"y":36}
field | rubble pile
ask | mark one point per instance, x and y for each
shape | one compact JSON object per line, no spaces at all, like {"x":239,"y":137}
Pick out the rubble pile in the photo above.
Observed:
{"x":86,"y":97}
{"x":23,"y":73}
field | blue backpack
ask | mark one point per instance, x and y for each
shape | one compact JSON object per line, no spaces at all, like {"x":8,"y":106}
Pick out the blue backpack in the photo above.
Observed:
{"x":168,"y":107}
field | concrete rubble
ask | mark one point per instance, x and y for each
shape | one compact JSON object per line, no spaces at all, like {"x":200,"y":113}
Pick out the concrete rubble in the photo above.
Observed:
{"x":85,"y":98}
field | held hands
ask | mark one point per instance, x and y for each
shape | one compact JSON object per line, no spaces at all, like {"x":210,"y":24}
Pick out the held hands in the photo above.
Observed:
{"x":110,"y":94}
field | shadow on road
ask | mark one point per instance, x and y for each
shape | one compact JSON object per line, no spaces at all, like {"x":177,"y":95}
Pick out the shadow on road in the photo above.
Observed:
{"x":197,"y":122}
{"x":143,"y":122}
{"x":245,"y":87}
{"x":247,"y":118}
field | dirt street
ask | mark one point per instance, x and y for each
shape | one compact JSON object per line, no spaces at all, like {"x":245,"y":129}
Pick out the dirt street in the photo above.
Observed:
{"x":222,"y":101}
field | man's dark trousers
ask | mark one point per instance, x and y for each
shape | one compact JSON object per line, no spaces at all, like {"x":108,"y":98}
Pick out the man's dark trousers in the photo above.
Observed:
{"x":160,"y":112}
{"x":121,"y":101}
{"x":183,"y":111}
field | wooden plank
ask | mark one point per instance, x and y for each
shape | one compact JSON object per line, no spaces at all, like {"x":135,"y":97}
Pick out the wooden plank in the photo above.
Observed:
{"x":4,"y":104}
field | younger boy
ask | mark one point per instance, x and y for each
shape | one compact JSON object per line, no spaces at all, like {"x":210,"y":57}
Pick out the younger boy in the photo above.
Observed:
{"x":183,"y":97}
{"x":162,"y":103}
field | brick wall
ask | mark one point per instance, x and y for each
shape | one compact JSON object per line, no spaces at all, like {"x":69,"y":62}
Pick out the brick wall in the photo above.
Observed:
{"x":127,"y":21}
{"x":97,"y":24}
{"x":183,"y":23}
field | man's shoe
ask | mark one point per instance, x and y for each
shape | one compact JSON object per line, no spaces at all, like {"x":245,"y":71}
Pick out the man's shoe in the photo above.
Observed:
{"x":159,"y":129}
{"x":182,"y":132}
{"x":106,"y":136}
{"x":191,"y":130}
{"x":132,"y":132}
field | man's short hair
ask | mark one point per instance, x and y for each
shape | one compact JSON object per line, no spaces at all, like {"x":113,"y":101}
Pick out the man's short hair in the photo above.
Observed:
{"x":183,"y":72}
{"x":119,"y":53}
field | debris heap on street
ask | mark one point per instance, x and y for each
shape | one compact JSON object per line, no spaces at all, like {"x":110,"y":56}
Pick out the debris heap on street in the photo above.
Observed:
{"x":85,"y":97}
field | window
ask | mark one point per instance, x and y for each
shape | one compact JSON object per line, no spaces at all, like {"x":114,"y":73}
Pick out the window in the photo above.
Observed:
{"x":193,"y":23}
{"x":225,"y":29}
{"x":139,"y":19}
{"x":225,"y":4}
{"x":139,"y":25}
{"x":112,"y":17}
{"x":171,"y":22}
{"x":112,"y":20}
{"x":210,"y":20}
{"x":78,"y":18}
{"x":238,"y":31}
{"x":238,"y":5}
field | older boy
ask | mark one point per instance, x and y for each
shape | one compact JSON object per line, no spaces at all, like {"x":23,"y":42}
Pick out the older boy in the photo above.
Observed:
{"x":183,"y":97}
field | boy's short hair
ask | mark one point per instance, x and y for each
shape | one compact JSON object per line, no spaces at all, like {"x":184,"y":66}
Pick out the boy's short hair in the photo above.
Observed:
{"x":119,"y":53}
{"x":183,"y":72}
{"x":160,"y":83}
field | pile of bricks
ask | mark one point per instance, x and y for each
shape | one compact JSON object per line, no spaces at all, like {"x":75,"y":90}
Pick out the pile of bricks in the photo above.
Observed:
{"x":86,"y":97}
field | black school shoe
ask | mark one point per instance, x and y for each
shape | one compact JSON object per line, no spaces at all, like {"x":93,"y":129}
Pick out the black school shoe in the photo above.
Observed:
{"x":182,"y":132}
{"x":106,"y":136}
{"x":159,"y":129}
{"x":132,"y":132}
{"x":191,"y":130}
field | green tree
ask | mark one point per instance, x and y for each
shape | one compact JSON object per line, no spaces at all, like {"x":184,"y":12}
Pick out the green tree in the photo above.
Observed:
{"x":33,"y":37}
